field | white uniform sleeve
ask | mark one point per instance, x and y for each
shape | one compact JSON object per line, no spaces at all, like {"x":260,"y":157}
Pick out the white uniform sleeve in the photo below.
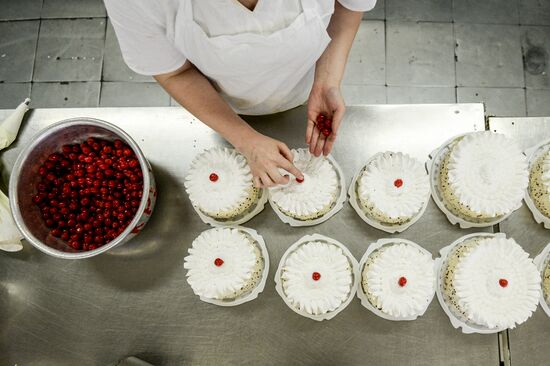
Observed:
{"x":145,"y":47}
{"x":358,"y":5}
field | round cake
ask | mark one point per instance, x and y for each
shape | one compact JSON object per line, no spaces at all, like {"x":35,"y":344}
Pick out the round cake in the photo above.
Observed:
{"x":224,"y":264}
{"x":399,"y":280}
{"x":317,"y":277}
{"x":539,"y":183}
{"x":219,"y":184}
{"x":483,"y":177}
{"x":490,"y":282}
{"x":393,"y":188}
{"x":312,"y":197}
{"x":546,"y":281}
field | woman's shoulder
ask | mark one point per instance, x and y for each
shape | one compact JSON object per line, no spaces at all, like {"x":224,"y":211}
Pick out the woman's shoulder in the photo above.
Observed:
{"x":141,"y":12}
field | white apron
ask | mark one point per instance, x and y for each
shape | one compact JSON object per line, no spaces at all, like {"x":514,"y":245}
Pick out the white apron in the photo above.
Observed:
{"x":254,"y":73}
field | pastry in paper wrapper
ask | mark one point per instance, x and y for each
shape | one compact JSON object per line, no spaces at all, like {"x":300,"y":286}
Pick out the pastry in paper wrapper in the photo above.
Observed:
{"x":539,"y":183}
{"x":317,"y":277}
{"x":313,"y":197}
{"x":224,"y":264}
{"x":219,"y":184}
{"x":399,"y":280}
{"x":491,"y":282}
{"x":483,"y":177}
{"x":393,"y":188}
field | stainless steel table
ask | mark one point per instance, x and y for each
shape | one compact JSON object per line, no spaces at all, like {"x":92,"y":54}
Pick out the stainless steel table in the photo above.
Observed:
{"x":529,"y":343}
{"x":135,"y":300}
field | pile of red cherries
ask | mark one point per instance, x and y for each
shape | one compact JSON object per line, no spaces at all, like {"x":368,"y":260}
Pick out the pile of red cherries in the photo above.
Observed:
{"x":89,"y":192}
{"x":324,"y":124}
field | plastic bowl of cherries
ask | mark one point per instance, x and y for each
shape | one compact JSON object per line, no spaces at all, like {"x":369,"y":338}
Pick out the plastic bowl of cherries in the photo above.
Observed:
{"x":81,"y":187}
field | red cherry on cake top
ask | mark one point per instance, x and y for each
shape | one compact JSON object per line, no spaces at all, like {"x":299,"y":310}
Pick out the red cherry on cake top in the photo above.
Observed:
{"x":214,"y":177}
{"x":218,"y":262}
{"x":316,"y":276}
{"x":503,"y":282}
{"x":402,"y":281}
{"x":398,"y":183}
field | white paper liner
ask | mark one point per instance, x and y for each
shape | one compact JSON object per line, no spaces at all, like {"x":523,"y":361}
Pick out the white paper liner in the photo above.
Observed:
{"x":292,"y":248}
{"x":337,"y":205}
{"x":259,"y":206}
{"x":354,"y":202}
{"x":363,"y":297}
{"x":441,"y":265}
{"x":541,"y":261}
{"x":533,"y":154}
{"x":433,"y":165}
{"x":261,"y":284}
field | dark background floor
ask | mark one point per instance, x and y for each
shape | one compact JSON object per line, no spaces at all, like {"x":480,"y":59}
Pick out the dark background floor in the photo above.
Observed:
{"x":65,"y":53}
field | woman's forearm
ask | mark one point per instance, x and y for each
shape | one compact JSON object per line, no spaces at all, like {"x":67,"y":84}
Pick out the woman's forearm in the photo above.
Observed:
{"x":342,"y":29}
{"x":190,"y":88}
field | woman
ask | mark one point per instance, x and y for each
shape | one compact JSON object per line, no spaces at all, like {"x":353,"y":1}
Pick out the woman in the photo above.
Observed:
{"x":221,"y":58}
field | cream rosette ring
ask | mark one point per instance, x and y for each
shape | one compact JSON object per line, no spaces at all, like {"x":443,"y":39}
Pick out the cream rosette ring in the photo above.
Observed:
{"x":391,"y":192}
{"x":487,"y":283}
{"x":397,"y":279}
{"x":220,"y":187}
{"x":316,"y":198}
{"x":537,"y":194}
{"x":227,"y":266}
{"x":543,"y":264}
{"x":478,"y":179}
{"x":317,"y":277}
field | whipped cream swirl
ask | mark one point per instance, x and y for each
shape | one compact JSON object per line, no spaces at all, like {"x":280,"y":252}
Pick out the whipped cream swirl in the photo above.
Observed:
{"x":210,"y":279}
{"x":224,"y":191}
{"x":396,"y":184}
{"x":497,"y":284}
{"x":488,"y":173}
{"x":317,"y":277}
{"x":397,"y":262}
{"x":319,"y":189}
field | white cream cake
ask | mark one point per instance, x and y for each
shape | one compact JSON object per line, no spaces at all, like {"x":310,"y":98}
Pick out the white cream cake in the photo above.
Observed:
{"x":313,"y":197}
{"x":399,"y":279}
{"x":393,"y":188}
{"x":491,"y":282}
{"x":224,"y":264}
{"x":317,"y":277}
{"x":483,"y":177}
{"x":219,"y":184}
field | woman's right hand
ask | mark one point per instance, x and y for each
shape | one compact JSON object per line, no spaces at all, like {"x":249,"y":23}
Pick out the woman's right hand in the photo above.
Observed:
{"x":265,"y":157}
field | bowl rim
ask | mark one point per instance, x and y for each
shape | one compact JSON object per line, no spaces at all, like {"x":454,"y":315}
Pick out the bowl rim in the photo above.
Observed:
{"x":22,"y":159}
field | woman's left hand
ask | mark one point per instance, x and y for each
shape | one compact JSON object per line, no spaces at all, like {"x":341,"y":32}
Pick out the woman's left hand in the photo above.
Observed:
{"x":327,"y":100}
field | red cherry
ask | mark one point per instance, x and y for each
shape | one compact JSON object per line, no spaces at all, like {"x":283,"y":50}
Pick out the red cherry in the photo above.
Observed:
{"x":218,"y":262}
{"x":214,"y":177}
{"x":503,"y":282}
{"x":326,"y":132}
{"x":316,"y":276}
{"x":398,"y":183}
{"x":320,"y":118}
{"x":300,"y":180}
{"x":402,"y":281}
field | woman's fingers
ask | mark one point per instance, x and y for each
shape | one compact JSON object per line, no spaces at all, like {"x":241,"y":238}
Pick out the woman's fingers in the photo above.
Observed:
{"x":276,"y":176}
{"x":285,"y":151}
{"x":257,"y":182}
{"x":309,"y":130}
{"x":266,"y":181}
{"x":319,"y":146}
{"x":336,"y":122}
{"x":291,"y":168}
{"x":314,"y":139}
